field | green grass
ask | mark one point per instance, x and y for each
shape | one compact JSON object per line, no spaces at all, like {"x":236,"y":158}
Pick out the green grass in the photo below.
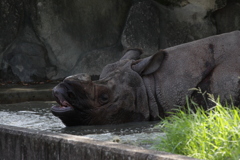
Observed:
{"x":213,"y":134}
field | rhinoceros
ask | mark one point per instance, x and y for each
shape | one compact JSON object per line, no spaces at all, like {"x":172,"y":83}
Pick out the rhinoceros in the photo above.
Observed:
{"x":134,"y":89}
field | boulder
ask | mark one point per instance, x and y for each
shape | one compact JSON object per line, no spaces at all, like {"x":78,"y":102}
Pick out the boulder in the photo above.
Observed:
{"x":228,"y":18}
{"x":10,"y":17}
{"x":72,"y":29}
{"x":94,"y":61}
{"x":142,"y":29}
{"x":57,"y":36}
{"x":151,"y":25}
{"x":26,"y":58}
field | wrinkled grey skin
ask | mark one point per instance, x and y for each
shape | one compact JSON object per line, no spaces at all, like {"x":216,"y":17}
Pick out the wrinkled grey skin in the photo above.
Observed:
{"x":134,"y":89}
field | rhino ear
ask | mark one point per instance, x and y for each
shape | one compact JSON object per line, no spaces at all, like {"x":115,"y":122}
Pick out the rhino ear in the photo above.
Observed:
{"x":132,"y":54}
{"x":150,"y":64}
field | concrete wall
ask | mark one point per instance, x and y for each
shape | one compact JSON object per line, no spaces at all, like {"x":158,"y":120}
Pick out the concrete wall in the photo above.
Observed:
{"x":25,"y":144}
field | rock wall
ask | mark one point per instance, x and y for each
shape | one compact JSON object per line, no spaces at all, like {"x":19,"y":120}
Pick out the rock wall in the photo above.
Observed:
{"x":47,"y":39}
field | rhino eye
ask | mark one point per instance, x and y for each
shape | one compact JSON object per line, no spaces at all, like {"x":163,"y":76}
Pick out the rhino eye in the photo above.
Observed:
{"x":103,"y":98}
{"x":71,"y":95}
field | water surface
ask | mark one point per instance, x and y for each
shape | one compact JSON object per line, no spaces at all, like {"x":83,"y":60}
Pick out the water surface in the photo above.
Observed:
{"x":37,"y":115}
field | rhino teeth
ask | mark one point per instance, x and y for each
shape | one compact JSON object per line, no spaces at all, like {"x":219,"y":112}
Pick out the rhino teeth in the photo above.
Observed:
{"x":65,"y":104}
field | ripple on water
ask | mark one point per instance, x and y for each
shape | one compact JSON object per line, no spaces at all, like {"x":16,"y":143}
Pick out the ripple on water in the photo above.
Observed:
{"x":34,"y":115}
{"x":37,"y":115}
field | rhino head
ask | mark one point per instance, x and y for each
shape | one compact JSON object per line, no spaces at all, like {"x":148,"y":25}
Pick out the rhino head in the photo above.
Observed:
{"x":119,"y":96}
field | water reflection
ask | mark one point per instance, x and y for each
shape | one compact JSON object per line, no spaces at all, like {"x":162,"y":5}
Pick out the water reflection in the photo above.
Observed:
{"x":37,"y":115}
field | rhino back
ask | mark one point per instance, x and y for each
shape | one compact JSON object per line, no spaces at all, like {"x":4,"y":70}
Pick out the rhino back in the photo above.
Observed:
{"x":214,"y":59}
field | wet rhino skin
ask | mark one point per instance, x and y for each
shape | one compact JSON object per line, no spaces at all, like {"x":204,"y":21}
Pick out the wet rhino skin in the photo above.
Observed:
{"x":134,"y":89}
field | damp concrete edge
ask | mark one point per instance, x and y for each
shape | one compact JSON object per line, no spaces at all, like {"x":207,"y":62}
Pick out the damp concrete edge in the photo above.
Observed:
{"x":19,"y":93}
{"x":27,"y":144}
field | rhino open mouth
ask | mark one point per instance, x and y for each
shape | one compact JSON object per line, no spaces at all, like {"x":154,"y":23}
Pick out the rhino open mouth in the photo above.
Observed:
{"x":65,"y":106}
{"x":62,"y":108}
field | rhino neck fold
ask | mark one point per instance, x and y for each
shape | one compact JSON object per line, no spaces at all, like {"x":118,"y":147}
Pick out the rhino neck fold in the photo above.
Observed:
{"x":155,"y":108}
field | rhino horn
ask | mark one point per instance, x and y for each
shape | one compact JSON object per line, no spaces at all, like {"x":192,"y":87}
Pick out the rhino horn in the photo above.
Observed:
{"x":82,"y":77}
{"x":81,"y":82}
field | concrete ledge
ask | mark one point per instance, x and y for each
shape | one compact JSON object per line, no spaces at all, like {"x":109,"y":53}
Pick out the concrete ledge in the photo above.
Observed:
{"x":25,"y":144}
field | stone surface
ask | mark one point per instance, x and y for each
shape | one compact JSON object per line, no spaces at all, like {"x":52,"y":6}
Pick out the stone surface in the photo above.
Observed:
{"x":228,"y":18}
{"x":72,"y":29}
{"x":152,"y":26}
{"x":93,"y":62}
{"x":56,"y":35}
{"x":10,"y":17}
{"x":20,"y":143}
{"x":68,"y":37}
{"x":193,"y":21}
{"x":26,"y":58}
{"x":142,"y":27}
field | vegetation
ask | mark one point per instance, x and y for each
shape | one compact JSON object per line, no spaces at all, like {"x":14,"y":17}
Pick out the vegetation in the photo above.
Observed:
{"x":213,"y":134}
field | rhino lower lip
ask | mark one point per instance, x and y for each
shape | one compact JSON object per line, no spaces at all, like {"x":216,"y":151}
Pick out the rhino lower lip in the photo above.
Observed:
{"x":59,"y":109}
{"x":65,"y":106}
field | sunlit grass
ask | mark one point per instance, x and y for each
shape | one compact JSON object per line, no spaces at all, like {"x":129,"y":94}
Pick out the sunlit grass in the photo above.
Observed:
{"x":213,"y":134}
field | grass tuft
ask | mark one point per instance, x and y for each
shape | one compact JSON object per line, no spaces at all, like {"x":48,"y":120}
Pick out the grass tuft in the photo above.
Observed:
{"x":213,"y":134}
